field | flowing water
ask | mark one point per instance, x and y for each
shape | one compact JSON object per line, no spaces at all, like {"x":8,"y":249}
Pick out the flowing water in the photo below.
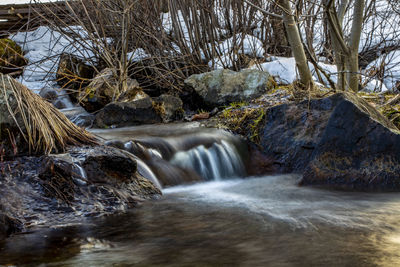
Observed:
{"x":221,"y":221}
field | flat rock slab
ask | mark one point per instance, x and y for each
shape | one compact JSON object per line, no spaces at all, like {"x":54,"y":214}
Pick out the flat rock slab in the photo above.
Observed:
{"x":340,"y":141}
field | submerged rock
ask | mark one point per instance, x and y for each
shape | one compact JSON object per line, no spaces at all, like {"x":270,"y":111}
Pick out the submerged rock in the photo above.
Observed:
{"x":221,"y":87}
{"x":340,"y":141}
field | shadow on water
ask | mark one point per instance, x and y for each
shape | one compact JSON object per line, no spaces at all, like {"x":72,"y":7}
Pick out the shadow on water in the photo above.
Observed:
{"x":265,"y":221}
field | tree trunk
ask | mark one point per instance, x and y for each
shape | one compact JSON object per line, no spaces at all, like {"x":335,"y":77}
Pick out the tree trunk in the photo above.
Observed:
{"x":346,"y":54}
{"x":353,"y":77}
{"x":296,"y":44}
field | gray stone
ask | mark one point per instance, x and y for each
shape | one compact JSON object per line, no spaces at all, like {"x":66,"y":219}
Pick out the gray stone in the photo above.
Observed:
{"x":221,"y":87}
{"x":103,"y":89}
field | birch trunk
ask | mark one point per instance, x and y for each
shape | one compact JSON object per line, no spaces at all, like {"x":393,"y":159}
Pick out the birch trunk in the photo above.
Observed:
{"x":296,"y":44}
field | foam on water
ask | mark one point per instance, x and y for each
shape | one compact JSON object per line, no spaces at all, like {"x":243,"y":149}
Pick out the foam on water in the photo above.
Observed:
{"x":219,"y":161}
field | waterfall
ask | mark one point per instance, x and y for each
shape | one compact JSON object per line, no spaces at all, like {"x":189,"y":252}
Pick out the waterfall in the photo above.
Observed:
{"x":171,"y":155}
{"x":80,"y":175}
{"x":219,"y":161}
{"x":146,"y":172}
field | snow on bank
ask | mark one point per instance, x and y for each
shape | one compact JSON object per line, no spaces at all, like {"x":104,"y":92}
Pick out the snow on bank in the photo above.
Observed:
{"x":247,"y":44}
{"x":391,"y":64}
{"x":43,"y":48}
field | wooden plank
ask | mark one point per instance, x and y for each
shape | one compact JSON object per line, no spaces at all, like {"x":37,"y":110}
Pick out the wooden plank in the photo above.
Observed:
{"x":14,"y":17}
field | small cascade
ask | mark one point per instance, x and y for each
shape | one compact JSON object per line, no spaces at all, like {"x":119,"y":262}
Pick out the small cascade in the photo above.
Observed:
{"x":146,"y":172}
{"x":170,"y":156}
{"x":81,"y":176}
{"x":219,"y":161}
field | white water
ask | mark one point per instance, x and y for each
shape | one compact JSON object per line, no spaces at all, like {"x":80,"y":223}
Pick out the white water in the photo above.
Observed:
{"x":176,"y":150}
{"x":280,"y":198}
{"x":146,"y":172}
{"x":219,"y":161}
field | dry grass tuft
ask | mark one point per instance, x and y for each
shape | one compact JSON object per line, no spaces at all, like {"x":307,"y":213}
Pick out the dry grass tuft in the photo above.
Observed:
{"x":44,"y":128}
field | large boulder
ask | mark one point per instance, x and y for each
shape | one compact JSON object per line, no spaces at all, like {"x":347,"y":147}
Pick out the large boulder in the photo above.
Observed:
{"x":103,"y":89}
{"x":340,"y":141}
{"x":221,"y":87}
{"x":11,"y":57}
{"x":87,"y":181}
{"x":74,"y":74}
{"x":120,"y":114}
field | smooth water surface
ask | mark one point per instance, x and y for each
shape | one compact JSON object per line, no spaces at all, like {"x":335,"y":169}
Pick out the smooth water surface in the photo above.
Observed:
{"x":267,"y":221}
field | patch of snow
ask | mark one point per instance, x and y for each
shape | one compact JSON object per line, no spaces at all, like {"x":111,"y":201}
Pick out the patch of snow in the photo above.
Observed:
{"x":138,"y":55}
{"x":241,"y":44}
{"x":283,"y":69}
{"x":43,"y":48}
{"x":329,"y":69}
{"x":375,"y":86}
{"x":391,"y":64}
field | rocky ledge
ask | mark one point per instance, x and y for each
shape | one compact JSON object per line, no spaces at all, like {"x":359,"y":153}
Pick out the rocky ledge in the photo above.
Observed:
{"x":85,"y":181}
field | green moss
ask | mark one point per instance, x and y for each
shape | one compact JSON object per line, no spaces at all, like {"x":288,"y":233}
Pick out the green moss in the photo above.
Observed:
{"x":246,"y":121}
{"x":11,"y":56}
{"x":393,"y":114}
{"x":9,"y":47}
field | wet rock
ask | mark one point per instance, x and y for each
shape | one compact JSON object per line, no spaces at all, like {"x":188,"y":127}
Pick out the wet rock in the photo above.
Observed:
{"x":104,"y":163}
{"x":119,"y":114}
{"x":103,"y":89}
{"x":170,"y":175}
{"x":169,"y":107}
{"x":48,"y":93}
{"x":87,"y":181}
{"x":360,"y":149}
{"x":292,"y":131}
{"x":8,"y":225}
{"x":11,"y":57}
{"x":222,"y":87}
{"x":338,"y":141}
{"x":73,"y":73}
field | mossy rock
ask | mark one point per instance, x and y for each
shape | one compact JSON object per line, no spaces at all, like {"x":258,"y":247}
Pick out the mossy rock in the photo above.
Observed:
{"x":11,"y":57}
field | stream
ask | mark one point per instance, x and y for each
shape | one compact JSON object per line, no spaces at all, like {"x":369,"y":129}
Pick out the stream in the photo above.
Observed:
{"x":225,"y":219}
